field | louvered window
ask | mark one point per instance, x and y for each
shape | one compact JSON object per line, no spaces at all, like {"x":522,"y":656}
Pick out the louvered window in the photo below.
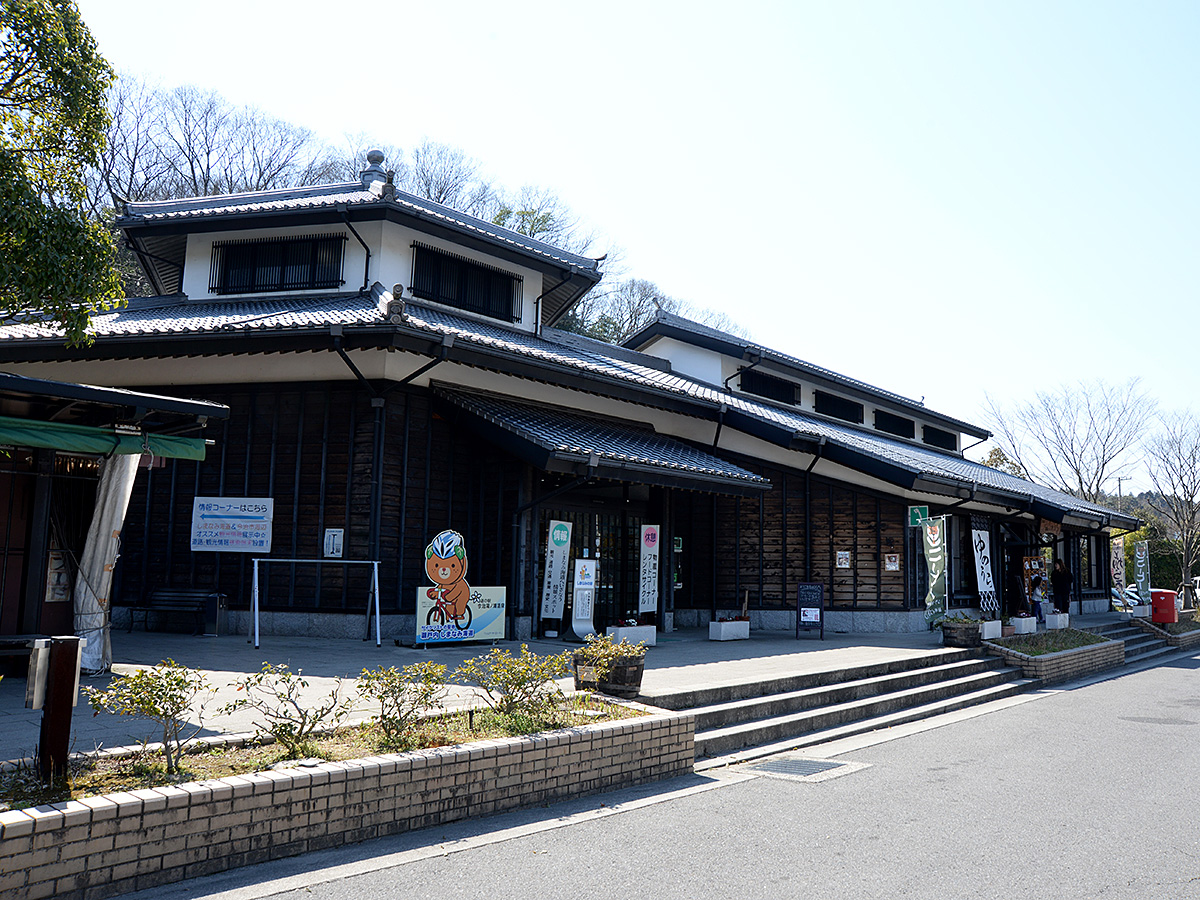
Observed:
{"x":277,"y":264}
{"x":893,"y":424}
{"x":755,"y":382}
{"x":838,"y":407}
{"x":465,"y":284}
{"x":935,"y":437}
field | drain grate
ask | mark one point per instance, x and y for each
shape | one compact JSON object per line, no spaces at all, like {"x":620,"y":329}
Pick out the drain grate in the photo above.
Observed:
{"x":799,"y":769}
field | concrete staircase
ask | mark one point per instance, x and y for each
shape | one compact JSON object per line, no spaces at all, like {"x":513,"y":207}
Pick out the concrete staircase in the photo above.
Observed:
{"x":1140,"y":645}
{"x":821,"y":706}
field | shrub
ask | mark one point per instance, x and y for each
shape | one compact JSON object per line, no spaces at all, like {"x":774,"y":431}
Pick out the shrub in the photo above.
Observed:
{"x":404,"y":695}
{"x":274,"y":693}
{"x":165,"y":694}
{"x":522,"y":684}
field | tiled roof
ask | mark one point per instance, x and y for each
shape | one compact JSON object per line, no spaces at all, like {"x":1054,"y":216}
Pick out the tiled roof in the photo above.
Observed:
{"x":791,"y":362}
{"x":177,"y":317}
{"x":566,"y":433}
{"x":350,"y":194}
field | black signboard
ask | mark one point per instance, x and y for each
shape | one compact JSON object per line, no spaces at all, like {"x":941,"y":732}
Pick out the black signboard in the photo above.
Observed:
{"x":810,"y":603}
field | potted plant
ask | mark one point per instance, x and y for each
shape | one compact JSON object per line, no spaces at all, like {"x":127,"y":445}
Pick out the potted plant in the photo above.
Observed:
{"x":960,"y":631}
{"x":1056,"y":619}
{"x":1007,"y":629}
{"x":610,"y":667}
{"x":989,"y":629}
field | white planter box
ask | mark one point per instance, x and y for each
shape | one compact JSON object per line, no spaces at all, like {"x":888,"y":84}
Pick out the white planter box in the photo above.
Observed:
{"x":989,"y":629}
{"x":728,"y":631}
{"x":633,"y":633}
{"x":1024,"y":624}
{"x":1140,"y":612}
{"x":1057,"y":620}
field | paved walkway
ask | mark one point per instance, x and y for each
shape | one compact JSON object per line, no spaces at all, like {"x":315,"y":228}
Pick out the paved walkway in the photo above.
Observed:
{"x":681,"y":661}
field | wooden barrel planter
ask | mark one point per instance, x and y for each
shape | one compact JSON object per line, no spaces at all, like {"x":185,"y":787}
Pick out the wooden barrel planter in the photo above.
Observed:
{"x":961,"y":634}
{"x":624,"y":678}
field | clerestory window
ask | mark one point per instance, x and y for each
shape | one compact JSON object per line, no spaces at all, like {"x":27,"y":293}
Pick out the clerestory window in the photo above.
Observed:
{"x":465,"y":284}
{"x":277,"y":264}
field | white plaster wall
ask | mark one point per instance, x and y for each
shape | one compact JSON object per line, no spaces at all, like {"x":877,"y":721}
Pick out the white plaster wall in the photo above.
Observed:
{"x":395,"y":267}
{"x":703,"y":365}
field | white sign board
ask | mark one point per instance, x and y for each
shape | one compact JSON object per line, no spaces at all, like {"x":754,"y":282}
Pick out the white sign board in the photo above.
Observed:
{"x":232,"y":524}
{"x":583,"y":596}
{"x":334,"y":539}
{"x":648,"y":576}
{"x":554,"y":580}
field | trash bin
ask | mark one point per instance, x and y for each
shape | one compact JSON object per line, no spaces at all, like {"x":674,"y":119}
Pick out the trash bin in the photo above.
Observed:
{"x":1163,"y":607}
{"x":216,"y":616}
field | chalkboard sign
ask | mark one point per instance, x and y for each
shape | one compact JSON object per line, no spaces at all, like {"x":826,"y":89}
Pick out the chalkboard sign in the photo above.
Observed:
{"x":810,"y":603}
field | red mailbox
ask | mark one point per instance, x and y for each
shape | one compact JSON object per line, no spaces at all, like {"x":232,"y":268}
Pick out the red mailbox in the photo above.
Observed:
{"x":1163,"y":607}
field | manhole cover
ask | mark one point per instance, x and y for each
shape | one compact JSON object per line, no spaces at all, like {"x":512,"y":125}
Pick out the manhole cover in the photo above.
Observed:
{"x":800,"y":769}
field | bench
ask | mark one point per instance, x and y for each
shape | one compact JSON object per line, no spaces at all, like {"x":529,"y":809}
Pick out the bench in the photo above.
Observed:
{"x":192,"y":601}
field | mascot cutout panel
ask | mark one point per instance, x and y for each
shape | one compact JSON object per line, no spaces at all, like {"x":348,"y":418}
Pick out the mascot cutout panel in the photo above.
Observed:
{"x":451,"y":610}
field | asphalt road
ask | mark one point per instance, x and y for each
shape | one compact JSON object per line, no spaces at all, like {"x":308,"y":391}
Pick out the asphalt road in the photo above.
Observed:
{"x":1082,"y":793}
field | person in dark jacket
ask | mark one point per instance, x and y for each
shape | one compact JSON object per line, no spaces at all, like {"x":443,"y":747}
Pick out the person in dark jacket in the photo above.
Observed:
{"x":1060,"y":583}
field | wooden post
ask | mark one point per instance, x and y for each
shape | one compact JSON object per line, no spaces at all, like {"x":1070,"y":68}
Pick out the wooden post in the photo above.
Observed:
{"x":55,"y":741}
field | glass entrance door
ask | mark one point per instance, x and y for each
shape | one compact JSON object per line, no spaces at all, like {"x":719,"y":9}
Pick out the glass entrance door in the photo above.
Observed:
{"x":611,"y":538}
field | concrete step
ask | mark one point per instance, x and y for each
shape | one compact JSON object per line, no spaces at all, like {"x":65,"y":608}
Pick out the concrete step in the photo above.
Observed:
{"x":875,"y":723}
{"x":864,"y":714}
{"x":715,"y":694}
{"x":781,"y":704}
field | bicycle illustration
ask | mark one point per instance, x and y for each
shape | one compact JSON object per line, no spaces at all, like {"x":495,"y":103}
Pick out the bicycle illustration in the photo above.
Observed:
{"x":446,"y":566}
{"x":444,"y":610}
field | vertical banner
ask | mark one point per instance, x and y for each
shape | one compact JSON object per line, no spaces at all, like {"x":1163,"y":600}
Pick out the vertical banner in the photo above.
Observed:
{"x":1141,"y":569}
{"x":988,"y":604}
{"x":554,"y":579}
{"x":934,"y":532}
{"x":1117,"y":558}
{"x":583,"y":595}
{"x":648,"y":578}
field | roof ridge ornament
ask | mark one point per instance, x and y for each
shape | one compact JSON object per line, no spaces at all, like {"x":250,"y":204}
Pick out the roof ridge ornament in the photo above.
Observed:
{"x":373,"y":176}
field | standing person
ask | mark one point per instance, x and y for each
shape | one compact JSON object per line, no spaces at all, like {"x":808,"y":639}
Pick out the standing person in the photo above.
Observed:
{"x":1037,"y":598}
{"x":1060,"y":584}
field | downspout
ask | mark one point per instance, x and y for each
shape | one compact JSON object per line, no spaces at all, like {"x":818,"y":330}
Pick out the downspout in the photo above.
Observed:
{"x":341,"y":207}
{"x":377,"y":404}
{"x":537,"y":304}
{"x":808,"y":510}
{"x":720,"y":423}
{"x":976,"y":444}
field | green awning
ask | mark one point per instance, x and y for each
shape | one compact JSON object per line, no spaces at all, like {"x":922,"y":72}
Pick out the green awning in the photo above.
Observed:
{"x":85,"y":439}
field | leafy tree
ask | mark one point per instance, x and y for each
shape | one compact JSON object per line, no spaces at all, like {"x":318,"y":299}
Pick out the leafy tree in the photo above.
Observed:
{"x":1076,"y":438}
{"x":55,"y":262}
{"x":998,"y":459}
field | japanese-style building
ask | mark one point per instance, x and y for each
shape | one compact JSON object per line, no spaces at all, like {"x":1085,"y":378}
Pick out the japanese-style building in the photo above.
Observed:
{"x":393,"y":369}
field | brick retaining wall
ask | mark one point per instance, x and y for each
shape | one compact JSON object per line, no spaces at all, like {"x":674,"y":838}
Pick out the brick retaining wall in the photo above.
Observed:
{"x":106,"y":845}
{"x":1187,"y":639}
{"x":1066,"y":664}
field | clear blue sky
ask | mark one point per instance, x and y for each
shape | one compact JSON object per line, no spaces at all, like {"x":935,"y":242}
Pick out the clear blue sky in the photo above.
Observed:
{"x":941,"y":198}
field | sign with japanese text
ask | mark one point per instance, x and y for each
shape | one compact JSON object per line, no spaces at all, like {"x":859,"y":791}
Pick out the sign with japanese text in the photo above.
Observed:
{"x":988,"y":602}
{"x":1118,"y":563}
{"x":934,"y":533}
{"x":554,"y":578}
{"x":1141,"y":569}
{"x":451,"y":610}
{"x":648,"y":574}
{"x":232,"y":524}
{"x":583,"y":595}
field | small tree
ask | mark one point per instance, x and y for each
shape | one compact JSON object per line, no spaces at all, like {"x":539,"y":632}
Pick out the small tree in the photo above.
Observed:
{"x":404,"y":695}
{"x":166,"y":694}
{"x":275,"y":693}
{"x":516,"y":684}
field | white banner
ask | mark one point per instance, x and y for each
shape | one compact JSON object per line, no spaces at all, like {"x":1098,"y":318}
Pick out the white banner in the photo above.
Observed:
{"x":583,"y":596}
{"x":554,"y":579}
{"x":1118,"y":563}
{"x":981,"y":540}
{"x":648,"y":579}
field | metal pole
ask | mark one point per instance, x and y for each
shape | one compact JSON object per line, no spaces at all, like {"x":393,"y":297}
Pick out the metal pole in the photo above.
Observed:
{"x":375,"y":591}
{"x":254,"y":598}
